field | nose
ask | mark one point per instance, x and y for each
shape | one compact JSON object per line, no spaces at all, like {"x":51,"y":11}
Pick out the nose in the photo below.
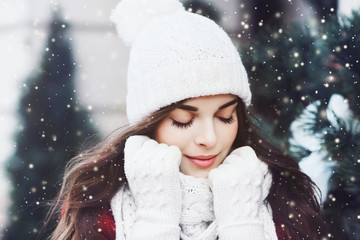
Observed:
{"x":206,"y":135}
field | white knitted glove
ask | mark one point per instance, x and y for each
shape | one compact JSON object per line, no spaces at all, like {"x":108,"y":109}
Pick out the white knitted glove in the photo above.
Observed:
{"x":240,"y":185}
{"x":152,"y":171}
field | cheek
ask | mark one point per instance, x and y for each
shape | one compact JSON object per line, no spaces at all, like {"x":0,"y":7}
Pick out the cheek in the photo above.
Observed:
{"x":168,"y":134}
{"x":229,"y":134}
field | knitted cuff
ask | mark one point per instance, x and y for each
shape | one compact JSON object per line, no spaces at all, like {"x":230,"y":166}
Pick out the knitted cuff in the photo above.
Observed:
{"x":156,"y":224}
{"x":146,"y":230}
{"x":253,"y":230}
{"x":157,"y":216}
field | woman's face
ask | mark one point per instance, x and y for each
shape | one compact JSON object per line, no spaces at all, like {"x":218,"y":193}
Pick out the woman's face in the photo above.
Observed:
{"x":204,"y":128}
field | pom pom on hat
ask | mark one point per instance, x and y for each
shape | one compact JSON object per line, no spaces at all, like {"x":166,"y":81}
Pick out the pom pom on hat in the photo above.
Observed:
{"x":131,"y":16}
{"x":175,"y":55}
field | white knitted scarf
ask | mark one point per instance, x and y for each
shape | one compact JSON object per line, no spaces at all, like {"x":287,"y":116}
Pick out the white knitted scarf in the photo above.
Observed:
{"x":197,"y":215}
{"x":197,"y":221}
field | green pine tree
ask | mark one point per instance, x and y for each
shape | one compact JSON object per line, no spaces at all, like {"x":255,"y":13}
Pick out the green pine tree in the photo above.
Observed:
{"x":294,"y":65}
{"x":342,"y":40}
{"x":287,"y":71}
{"x":341,"y":137}
{"x":53,"y":127}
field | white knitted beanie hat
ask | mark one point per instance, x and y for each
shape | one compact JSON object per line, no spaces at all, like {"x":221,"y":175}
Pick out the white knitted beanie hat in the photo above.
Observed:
{"x":175,"y":55}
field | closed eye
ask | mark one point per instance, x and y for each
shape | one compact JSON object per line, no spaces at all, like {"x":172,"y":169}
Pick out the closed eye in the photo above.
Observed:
{"x":227,"y":120}
{"x":182,"y":125}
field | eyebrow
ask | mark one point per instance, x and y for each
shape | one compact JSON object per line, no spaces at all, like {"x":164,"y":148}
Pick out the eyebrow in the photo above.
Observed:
{"x":194,"y":109}
{"x":228,"y":104}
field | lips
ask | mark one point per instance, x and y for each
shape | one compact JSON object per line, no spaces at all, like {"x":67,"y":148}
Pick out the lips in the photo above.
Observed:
{"x":202,"y":161}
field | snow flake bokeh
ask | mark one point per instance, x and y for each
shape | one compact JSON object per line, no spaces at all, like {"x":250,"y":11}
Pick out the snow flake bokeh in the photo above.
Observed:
{"x":64,"y":81}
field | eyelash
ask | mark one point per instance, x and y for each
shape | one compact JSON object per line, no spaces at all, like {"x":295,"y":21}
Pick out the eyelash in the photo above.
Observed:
{"x":181,"y":125}
{"x":227,"y":120}
{"x":188,"y":124}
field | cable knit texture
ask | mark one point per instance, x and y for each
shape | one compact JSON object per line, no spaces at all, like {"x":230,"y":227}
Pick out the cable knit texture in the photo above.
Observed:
{"x":197,"y":221}
{"x":240,"y":185}
{"x":197,"y":215}
{"x":152,"y":171}
{"x":165,"y":204}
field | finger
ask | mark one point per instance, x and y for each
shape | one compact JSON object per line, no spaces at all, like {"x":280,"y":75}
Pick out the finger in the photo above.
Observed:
{"x":133,"y":144}
{"x":245,"y":157}
{"x":175,"y":154}
{"x":222,"y":173}
{"x":157,"y":160}
{"x":245,"y":152}
{"x":148,"y":146}
{"x":169,"y":160}
{"x":211,"y":177}
{"x":134,"y":156}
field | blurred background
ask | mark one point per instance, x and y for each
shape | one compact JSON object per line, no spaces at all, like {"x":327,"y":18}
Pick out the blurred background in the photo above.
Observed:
{"x":63,"y":88}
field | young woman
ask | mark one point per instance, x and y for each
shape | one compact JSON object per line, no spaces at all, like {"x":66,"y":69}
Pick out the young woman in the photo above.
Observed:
{"x":191,"y":165}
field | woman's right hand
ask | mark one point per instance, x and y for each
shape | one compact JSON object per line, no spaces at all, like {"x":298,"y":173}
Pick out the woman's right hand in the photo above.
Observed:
{"x":152,"y":172}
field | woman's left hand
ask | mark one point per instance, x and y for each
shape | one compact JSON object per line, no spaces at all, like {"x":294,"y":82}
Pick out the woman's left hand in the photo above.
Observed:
{"x":240,"y":185}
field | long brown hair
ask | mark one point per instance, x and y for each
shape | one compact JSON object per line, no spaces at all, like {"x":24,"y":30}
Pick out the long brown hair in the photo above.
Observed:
{"x":293,"y":196}
{"x":92,"y":178}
